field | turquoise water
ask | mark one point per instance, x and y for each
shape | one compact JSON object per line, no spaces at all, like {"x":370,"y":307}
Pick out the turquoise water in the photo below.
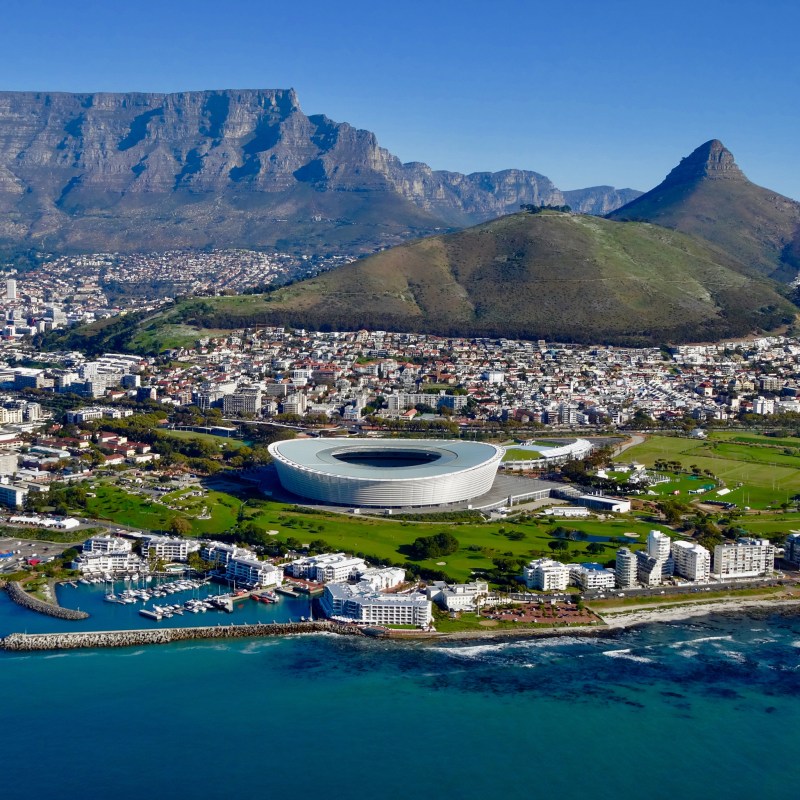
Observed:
{"x":704,"y":709}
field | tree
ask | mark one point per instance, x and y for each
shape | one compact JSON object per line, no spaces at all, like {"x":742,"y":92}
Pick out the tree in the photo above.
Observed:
{"x":440,"y":544}
{"x":558,"y":546}
{"x":180,"y":526}
{"x":595,"y":548}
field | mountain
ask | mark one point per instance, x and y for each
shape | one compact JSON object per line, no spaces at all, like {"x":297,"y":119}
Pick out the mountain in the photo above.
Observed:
{"x":130,"y":171}
{"x":549,"y":275}
{"x":599,"y":200}
{"x":707,"y":195}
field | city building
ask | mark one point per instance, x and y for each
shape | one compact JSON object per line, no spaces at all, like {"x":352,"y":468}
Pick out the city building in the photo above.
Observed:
{"x":692,"y":561}
{"x":168,"y":548}
{"x":747,"y":558}
{"x":249,"y":571}
{"x":626,"y":569}
{"x":360,"y":603}
{"x":655,"y":562}
{"x":327,"y":568}
{"x":591,"y":577}
{"x":791,"y":551}
{"x":12,"y":496}
{"x":546,"y":575}
{"x":457,"y":596}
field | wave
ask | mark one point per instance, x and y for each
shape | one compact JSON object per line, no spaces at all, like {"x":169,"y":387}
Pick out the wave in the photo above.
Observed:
{"x":628,"y":655}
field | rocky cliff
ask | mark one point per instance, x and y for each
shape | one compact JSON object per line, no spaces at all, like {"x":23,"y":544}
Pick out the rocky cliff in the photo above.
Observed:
{"x":224,"y":168}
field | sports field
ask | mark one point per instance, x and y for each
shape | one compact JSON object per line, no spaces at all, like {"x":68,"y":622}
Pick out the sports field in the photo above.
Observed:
{"x":767,"y":469}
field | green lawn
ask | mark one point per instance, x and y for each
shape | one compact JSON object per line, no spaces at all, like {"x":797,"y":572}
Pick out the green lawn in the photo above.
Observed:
{"x":119,"y":506}
{"x":518,"y":454}
{"x":206,"y":437}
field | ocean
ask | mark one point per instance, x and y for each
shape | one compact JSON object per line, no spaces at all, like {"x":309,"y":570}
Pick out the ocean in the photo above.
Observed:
{"x":707,"y":708}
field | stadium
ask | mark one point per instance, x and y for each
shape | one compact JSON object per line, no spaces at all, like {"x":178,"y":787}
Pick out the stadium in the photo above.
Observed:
{"x":386,"y":473}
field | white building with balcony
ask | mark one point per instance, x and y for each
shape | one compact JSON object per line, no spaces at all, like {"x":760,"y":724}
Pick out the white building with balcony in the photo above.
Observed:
{"x":546,"y":575}
{"x":692,"y":561}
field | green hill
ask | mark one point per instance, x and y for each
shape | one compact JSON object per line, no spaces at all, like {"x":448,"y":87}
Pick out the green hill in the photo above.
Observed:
{"x":708,"y":196}
{"x":548,"y":275}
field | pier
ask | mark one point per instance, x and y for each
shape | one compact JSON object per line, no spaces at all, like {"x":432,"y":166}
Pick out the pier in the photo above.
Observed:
{"x":26,"y":642}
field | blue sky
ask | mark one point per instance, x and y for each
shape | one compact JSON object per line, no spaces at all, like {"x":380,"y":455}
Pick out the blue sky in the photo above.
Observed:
{"x":586,"y":92}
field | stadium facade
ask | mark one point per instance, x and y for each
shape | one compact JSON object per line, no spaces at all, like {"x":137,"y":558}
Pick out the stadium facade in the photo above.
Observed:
{"x":386,"y":473}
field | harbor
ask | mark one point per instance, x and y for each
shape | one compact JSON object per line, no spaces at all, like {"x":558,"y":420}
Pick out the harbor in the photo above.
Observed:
{"x":169,"y":603}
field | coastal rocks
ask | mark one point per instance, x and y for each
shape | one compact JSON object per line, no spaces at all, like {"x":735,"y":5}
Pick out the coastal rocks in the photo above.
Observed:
{"x":22,"y":598}
{"x":22,"y":642}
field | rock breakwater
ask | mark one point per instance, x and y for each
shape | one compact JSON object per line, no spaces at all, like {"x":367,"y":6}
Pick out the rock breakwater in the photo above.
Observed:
{"x":21,"y":642}
{"x":22,"y":598}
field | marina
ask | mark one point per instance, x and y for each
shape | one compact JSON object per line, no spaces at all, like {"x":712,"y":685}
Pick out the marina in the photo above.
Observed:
{"x":170,"y":604}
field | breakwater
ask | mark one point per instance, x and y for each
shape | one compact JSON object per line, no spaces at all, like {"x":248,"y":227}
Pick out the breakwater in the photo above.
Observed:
{"x":22,"y":642}
{"x":22,"y":598}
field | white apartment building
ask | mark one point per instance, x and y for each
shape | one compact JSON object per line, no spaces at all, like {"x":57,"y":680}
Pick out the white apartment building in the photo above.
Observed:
{"x":591,"y":577}
{"x":692,"y":561}
{"x":626,"y":569}
{"x":546,"y":575}
{"x":327,"y":568}
{"x":220,"y":554}
{"x":168,"y":548}
{"x":360,"y":603}
{"x":106,"y":544}
{"x":113,"y":562}
{"x":655,"y":563}
{"x":382,"y":578}
{"x":457,"y":596}
{"x":747,"y":558}
{"x":252,"y":572}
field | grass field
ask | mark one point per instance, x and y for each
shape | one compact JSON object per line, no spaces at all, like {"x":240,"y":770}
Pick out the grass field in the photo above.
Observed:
{"x":207,"y":437}
{"x":768,"y":475}
{"x":117,"y":505}
{"x":518,"y":454}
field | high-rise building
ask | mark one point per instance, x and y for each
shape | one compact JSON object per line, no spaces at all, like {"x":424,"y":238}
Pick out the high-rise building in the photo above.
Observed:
{"x":791,"y":552}
{"x":692,"y":561}
{"x":11,"y":289}
{"x":626,"y":568}
{"x":655,"y":563}
{"x":747,"y":558}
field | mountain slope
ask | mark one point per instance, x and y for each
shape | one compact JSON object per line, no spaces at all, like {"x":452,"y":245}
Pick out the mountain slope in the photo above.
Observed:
{"x":707,"y":195}
{"x":221,"y":168}
{"x":548,"y":275}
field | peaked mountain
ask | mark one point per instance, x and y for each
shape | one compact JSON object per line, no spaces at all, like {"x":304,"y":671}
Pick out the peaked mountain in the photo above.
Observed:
{"x":222,"y":168}
{"x":707,"y":195}
{"x":551,"y":275}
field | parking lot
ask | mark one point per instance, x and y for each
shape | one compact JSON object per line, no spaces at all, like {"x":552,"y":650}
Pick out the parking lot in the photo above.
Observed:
{"x":27,"y":549}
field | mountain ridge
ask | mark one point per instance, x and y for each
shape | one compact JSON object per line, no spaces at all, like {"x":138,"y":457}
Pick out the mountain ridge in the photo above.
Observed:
{"x":245,"y":167}
{"x":557,"y":276}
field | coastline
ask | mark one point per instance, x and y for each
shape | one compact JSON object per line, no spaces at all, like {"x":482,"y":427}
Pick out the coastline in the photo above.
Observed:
{"x":612,"y":623}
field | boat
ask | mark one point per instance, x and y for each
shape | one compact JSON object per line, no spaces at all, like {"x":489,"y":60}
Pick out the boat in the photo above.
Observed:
{"x":111,"y":598}
{"x":84,"y":581}
{"x":146,"y":612}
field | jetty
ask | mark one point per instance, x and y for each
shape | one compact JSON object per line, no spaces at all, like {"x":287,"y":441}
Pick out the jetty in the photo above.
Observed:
{"x":26,"y":642}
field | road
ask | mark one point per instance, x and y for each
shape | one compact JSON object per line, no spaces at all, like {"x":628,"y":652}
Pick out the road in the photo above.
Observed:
{"x":634,"y":439}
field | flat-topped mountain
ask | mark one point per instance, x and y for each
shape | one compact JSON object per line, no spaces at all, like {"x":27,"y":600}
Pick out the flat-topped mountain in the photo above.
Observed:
{"x":707,"y":195}
{"x":224,"y":168}
{"x":558,"y":276}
